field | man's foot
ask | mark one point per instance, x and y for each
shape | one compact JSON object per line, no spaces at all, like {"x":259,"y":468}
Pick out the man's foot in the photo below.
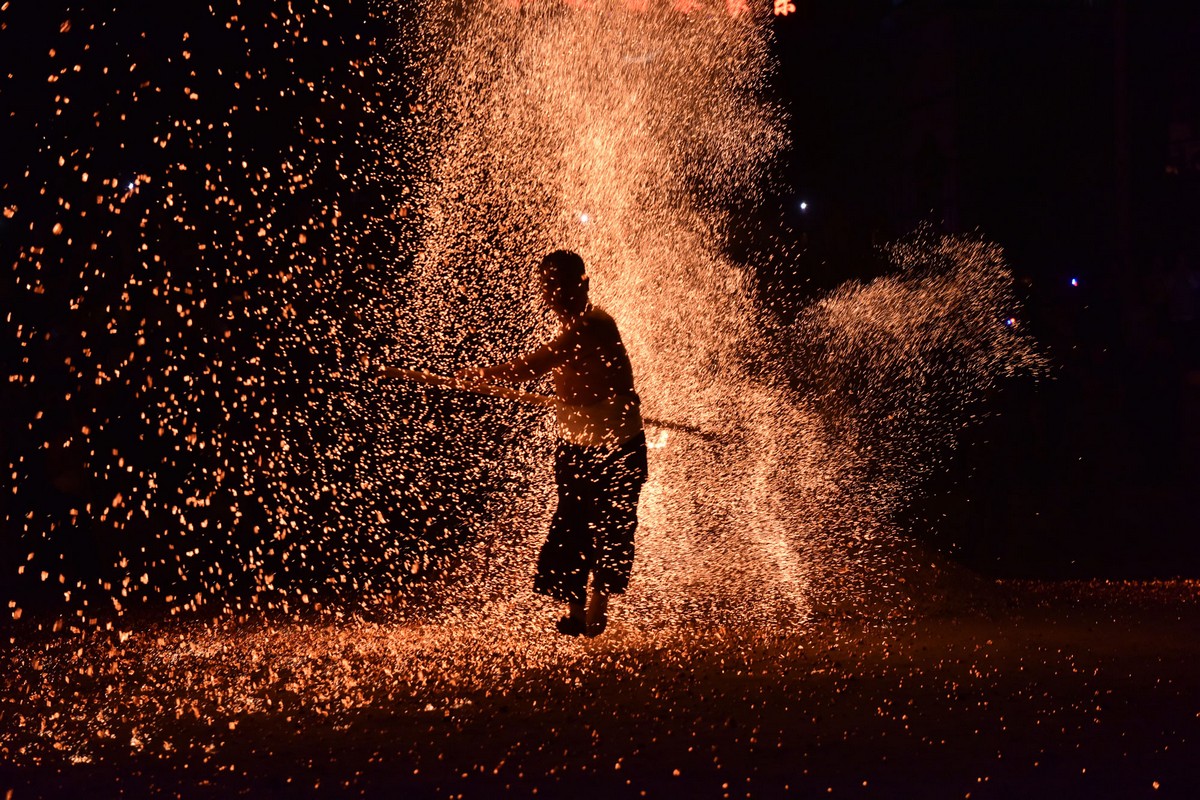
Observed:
{"x":575,"y":622}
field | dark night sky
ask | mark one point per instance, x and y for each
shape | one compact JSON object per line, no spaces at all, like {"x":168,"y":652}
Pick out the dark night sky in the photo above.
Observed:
{"x":1008,"y":118}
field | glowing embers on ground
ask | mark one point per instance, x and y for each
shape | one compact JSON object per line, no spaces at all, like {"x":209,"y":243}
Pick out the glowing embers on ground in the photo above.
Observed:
{"x":1022,"y":689}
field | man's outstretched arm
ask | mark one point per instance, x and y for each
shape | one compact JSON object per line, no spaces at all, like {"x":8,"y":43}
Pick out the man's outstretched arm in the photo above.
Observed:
{"x":529,"y":366}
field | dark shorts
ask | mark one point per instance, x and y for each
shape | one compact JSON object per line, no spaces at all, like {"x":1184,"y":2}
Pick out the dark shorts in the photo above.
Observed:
{"x":594,"y":524}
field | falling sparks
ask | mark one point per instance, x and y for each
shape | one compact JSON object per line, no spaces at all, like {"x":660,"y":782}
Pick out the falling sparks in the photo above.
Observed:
{"x":166,"y":248}
{"x":651,"y":122}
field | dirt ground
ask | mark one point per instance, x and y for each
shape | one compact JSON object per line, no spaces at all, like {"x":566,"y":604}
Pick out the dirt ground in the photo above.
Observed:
{"x":1060,"y":690}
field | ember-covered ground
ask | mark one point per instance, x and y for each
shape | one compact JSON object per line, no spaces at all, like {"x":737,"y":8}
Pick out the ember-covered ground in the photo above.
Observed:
{"x":1021,"y":690}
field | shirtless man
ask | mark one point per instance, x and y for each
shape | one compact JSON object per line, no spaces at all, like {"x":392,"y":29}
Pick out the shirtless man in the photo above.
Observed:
{"x":600,"y":461}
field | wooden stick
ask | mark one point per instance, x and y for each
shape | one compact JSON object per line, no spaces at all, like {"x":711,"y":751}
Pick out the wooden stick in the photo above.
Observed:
{"x":508,"y":393}
{"x":478,"y":387}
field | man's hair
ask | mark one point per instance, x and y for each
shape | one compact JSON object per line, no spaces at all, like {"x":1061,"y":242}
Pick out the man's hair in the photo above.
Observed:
{"x":564,"y":272}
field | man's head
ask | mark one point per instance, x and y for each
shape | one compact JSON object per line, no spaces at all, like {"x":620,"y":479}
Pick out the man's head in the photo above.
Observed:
{"x":564,"y":283}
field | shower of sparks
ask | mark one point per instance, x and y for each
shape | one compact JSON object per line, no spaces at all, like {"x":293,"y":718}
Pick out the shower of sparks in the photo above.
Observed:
{"x":653,"y":122}
{"x":204,"y":297}
{"x":650,"y":121}
{"x":180,"y":246}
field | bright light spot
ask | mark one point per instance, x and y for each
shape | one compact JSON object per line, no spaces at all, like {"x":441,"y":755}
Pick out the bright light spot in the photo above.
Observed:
{"x":803,"y":206}
{"x":584,"y":218}
{"x":1074,"y":281}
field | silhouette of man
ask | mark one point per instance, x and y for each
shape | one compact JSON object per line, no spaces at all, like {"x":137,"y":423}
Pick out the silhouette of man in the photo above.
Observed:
{"x":600,"y":460}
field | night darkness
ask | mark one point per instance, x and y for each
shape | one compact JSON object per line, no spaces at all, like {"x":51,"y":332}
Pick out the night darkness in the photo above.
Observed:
{"x":1030,"y":123}
{"x":211,"y":215}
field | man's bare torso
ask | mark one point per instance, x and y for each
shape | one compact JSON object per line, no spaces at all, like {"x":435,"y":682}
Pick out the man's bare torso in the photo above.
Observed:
{"x":591,"y":363}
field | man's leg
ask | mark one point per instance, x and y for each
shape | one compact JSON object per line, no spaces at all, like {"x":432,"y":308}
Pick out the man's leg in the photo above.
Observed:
{"x":566,"y":556}
{"x":564,"y":559}
{"x":597,"y":613}
{"x":616,"y":509}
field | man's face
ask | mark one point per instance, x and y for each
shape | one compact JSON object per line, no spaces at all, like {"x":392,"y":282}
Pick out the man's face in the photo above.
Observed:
{"x":551,"y":294}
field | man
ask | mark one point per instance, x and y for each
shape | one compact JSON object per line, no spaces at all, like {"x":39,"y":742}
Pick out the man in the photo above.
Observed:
{"x":600,"y":461}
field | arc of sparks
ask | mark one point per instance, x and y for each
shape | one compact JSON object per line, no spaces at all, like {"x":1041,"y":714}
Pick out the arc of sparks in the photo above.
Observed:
{"x":508,"y":393}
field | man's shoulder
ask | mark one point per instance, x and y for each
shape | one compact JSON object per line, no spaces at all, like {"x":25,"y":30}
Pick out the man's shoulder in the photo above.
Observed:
{"x":598,"y":317}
